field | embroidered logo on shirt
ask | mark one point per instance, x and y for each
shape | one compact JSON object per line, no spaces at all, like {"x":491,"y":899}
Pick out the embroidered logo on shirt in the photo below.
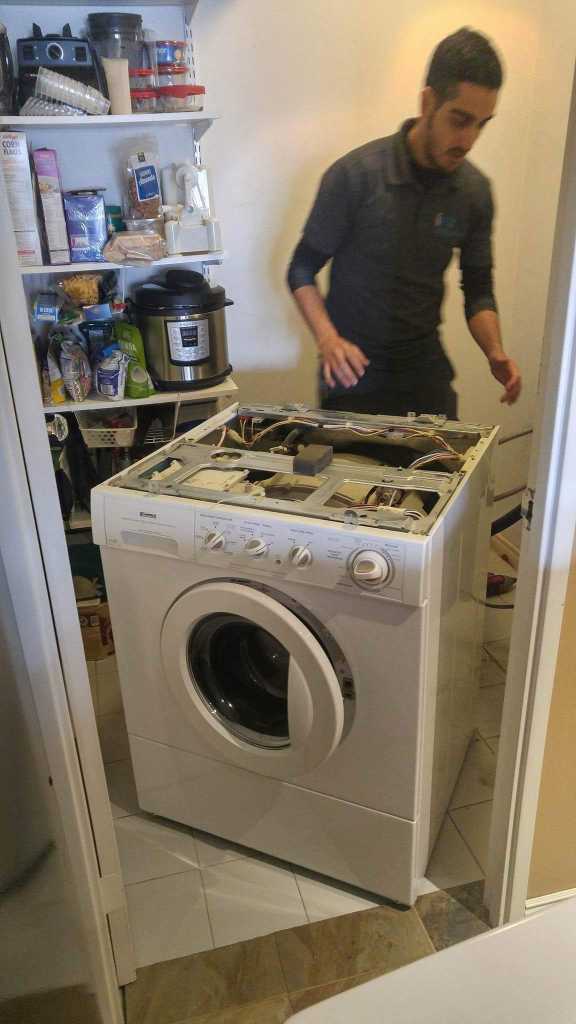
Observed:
{"x":446,"y":226}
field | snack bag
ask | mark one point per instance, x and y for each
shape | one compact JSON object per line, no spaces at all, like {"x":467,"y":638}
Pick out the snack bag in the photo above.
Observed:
{"x":75,"y":368}
{"x":138,"y":383}
{"x":144,"y":198}
{"x":53,"y":376}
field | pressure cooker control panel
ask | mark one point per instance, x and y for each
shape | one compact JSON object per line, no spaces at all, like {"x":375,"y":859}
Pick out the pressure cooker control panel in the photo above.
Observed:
{"x":188,"y":340}
{"x":342,"y":559}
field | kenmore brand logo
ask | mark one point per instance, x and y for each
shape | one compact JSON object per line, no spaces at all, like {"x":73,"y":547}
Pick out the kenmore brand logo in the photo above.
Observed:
{"x":148,"y":515}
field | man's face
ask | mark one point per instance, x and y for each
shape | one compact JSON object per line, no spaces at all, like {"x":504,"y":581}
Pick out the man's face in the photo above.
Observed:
{"x":452,"y":128}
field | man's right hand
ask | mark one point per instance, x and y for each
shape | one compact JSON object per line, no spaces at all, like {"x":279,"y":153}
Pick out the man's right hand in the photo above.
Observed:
{"x":342,"y":361}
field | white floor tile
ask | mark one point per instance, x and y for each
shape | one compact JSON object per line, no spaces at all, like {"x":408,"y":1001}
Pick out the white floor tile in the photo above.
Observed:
{"x":451,"y":862}
{"x":489,"y":711}
{"x":149,"y":849}
{"x":499,"y":650}
{"x":113,"y":738}
{"x":476,"y":782}
{"x":491,"y":674}
{"x":213,"y":850}
{"x":121,"y":789}
{"x":109,"y":696}
{"x":323,"y":899}
{"x":474,"y":825}
{"x":498,"y":621}
{"x":247,"y":898}
{"x":168,"y":918}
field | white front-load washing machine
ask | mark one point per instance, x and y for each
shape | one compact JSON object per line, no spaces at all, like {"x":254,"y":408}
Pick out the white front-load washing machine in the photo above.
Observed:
{"x":297,"y":660}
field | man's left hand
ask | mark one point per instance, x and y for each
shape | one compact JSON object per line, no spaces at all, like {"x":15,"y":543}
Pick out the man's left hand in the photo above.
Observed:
{"x":507,"y":373}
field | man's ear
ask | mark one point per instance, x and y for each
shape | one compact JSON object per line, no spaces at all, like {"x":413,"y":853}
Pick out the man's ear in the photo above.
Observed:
{"x":428,"y":101}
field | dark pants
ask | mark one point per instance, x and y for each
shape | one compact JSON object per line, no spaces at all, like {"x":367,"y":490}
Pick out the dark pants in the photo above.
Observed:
{"x":420,"y":396}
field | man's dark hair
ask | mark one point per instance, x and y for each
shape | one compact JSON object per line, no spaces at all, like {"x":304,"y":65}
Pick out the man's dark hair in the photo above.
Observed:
{"x":465,"y":56}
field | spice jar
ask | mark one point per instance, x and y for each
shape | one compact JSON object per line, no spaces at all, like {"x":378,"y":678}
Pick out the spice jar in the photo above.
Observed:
{"x":143,"y":101}
{"x":175,"y":99}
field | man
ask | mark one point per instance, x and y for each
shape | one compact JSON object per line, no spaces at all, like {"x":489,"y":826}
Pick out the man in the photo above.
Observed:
{"x":389,"y":215}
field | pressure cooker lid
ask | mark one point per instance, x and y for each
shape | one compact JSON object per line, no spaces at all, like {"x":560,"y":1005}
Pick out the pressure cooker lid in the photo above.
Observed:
{"x":181,"y":289}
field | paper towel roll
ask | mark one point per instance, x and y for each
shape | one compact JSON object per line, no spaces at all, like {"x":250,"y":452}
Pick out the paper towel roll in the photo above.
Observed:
{"x":116,"y":71}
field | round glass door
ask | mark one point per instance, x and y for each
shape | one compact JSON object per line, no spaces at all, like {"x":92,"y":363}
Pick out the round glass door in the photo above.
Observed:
{"x":241,"y":672}
{"x":252,"y":678}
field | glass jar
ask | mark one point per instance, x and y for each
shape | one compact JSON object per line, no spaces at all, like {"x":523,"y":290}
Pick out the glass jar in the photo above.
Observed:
{"x":175,"y":99}
{"x":142,"y":78}
{"x":170,"y":51}
{"x":172,"y":74}
{"x":144,"y":101}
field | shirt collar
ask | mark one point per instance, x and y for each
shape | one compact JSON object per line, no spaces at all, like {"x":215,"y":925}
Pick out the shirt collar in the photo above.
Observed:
{"x":400,"y":171}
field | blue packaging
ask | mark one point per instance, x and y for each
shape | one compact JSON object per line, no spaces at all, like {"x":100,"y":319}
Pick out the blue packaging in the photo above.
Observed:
{"x":86,"y":223}
{"x":111,"y":373}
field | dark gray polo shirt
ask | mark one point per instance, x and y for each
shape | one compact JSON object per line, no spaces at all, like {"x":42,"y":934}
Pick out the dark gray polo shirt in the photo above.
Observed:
{"x":391,"y":239}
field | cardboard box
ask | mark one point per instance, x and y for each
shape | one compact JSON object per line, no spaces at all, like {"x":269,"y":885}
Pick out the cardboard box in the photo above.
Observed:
{"x":46,"y":167}
{"x":96,"y":629}
{"x":21,"y":199}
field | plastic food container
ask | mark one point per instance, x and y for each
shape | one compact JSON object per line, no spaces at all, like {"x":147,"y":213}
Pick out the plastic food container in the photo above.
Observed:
{"x":142,"y":78}
{"x":146,"y":224}
{"x":172,"y":74}
{"x":144,"y":101}
{"x":174,"y":99}
{"x":170,"y":51}
{"x":53,"y":86}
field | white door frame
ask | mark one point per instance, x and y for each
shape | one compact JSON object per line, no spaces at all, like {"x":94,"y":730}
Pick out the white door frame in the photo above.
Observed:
{"x":22,"y":559}
{"x":31,"y":429}
{"x":545,"y":559}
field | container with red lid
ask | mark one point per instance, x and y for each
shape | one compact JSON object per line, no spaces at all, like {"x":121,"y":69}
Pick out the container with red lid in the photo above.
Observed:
{"x":173,"y":74}
{"x":144,"y":101}
{"x":173,"y":99}
{"x":170,"y":51}
{"x":142,"y":78}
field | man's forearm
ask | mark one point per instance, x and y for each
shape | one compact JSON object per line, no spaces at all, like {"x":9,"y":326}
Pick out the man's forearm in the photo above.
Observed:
{"x":485,"y":329}
{"x":312,"y":307}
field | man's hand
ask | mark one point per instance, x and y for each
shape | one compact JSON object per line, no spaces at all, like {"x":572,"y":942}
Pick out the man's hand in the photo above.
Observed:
{"x":341,"y":361}
{"x":507,"y":373}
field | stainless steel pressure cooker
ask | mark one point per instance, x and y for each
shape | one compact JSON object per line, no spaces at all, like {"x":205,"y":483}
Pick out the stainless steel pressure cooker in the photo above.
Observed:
{"x":183,"y":324}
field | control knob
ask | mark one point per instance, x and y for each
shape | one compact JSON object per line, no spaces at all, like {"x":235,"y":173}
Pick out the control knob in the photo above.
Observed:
{"x":255,"y":547}
{"x":300,"y":557}
{"x":215,"y":541}
{"x":370,"y":569}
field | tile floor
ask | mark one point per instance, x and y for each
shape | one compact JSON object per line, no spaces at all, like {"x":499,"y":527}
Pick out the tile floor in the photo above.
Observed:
{"x":189,"y":892}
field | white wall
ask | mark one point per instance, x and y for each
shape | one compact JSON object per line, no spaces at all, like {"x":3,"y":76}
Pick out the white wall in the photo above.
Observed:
{"x":298,"y":85}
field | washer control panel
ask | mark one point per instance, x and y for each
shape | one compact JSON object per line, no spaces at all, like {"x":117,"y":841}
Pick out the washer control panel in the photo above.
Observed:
{"x":354,"y":560}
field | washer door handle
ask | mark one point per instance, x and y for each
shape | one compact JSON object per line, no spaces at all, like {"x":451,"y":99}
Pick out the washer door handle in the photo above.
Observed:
{"x":300,"y":707}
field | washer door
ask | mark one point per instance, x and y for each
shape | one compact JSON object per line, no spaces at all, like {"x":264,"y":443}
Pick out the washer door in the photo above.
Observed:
{"x":247,"y":668}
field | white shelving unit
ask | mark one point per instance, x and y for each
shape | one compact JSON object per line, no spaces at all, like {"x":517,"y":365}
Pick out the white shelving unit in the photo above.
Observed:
{"x":199,"y":120}
{"x":223,"y":390}
{"x":214,"y":256}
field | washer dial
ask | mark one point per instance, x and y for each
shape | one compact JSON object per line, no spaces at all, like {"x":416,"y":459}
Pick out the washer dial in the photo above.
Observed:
{"x":371,"y":569}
